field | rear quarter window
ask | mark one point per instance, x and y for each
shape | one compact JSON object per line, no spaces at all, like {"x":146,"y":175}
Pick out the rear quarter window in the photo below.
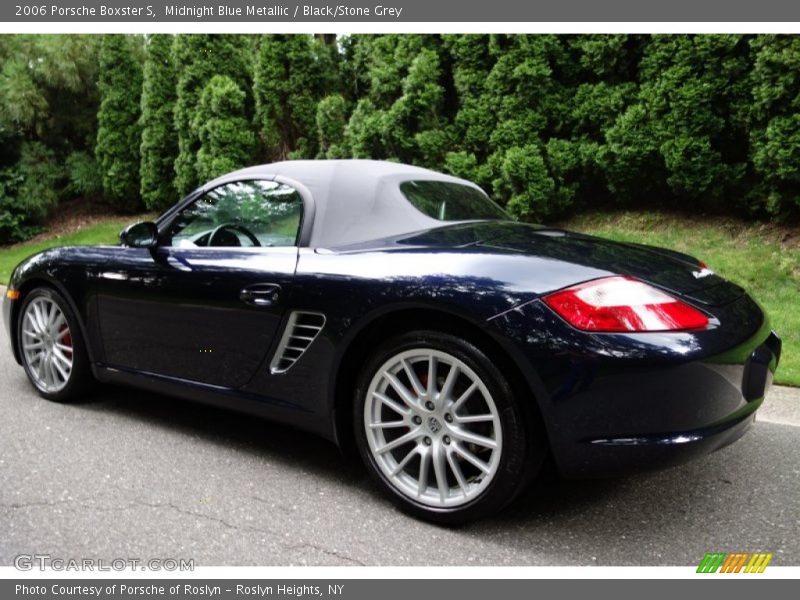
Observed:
{"x":448,"y":201}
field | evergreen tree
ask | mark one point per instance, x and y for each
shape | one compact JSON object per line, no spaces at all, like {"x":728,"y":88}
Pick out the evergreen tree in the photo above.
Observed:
{"x":388,"y":59}
{"x":774,"y":124}
{"x":401,"y":113}
{"x":118,"y":133}
{"x":159,"y":147}
{"x":290,"y":77}
{"x":684,"y":140}
{"x":363,"y":135}
{"x":597,"y":84}
{"x":226,"y":139}
{"x":197,"y":59}
{"x":530,"y":103}
{"x":331,"y":123}
{"x":525,"y":182}
{"x":475,"y":119}
{"x":48,"y":119}
{"x":547,"y":123}
{"x":48,"y":91}
{"x":415,"y":128}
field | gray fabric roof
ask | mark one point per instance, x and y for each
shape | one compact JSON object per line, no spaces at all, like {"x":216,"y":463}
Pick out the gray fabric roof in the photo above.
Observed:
{"x":355,"y":200}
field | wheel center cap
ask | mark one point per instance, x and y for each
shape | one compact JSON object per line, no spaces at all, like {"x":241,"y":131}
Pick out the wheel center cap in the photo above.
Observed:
{"x":434,"y":425}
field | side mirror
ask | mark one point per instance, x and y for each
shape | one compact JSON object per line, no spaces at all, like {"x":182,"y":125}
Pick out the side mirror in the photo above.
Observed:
{"x":140,"y":235}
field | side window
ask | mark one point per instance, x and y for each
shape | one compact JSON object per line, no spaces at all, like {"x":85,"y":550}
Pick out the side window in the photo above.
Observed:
{"x":241,"y":214}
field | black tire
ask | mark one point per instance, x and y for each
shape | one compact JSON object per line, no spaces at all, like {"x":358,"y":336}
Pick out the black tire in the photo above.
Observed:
{"x":523,"y":448}
{"x":80,"y":377}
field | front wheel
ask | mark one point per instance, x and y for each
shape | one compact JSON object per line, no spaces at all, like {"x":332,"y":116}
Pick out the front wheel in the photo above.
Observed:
{"x":52,"y":347}
{"x":439,"y":428}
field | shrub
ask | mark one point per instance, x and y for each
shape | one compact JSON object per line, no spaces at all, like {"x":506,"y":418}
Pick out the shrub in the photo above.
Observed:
{"x":530,"y":190}
{"x":83,"y":174}
{"x":331,"y":123}
{"x":11,"y":220}
{"x":226,"y":140}
{"x":28,"y":192}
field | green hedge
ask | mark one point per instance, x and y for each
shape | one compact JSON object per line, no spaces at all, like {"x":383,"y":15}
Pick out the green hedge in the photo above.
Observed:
{"x":550,"y":125}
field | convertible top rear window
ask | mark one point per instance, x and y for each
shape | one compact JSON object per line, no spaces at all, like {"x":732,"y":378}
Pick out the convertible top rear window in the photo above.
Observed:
{"x":448,"y":201}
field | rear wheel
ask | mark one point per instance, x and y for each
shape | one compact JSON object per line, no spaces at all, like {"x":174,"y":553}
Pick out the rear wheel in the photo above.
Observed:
{"x":439,"y":428}
{"x":52,"y":347}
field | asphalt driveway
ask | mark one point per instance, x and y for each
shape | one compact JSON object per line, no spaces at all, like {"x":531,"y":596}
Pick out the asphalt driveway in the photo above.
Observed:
{"x":130,"y":474}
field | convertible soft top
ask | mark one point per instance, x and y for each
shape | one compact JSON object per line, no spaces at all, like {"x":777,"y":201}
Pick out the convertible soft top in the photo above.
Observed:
{"x":354,"y":200}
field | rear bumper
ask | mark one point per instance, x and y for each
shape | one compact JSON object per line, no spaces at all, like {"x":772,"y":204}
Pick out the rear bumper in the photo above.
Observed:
{"x":614,"y":406}
{"x":663,"y":418}
{"x":619,"y":456}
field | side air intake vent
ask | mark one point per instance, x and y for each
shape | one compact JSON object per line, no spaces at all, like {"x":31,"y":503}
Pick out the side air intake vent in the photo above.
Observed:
{"x":301,"y":331}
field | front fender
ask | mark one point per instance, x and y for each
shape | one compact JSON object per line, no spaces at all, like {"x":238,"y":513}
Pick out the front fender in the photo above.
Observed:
{"x":56,"y":269}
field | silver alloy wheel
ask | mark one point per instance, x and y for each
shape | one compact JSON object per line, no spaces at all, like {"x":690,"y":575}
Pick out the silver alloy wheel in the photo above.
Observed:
{"x":433,"y":428}
{"x":47,"y":345}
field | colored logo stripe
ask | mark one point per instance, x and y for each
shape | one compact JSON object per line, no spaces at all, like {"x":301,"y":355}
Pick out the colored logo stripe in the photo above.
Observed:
{"x":734,"y":562}
{"x":711,"y":562}
{"x":758,"y":563}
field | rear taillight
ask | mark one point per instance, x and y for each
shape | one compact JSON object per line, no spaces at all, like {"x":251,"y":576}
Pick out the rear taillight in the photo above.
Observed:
{"x":615,"y":304}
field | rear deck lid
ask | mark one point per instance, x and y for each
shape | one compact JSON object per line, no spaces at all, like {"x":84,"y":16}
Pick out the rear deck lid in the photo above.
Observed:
{"x":672,"y":271}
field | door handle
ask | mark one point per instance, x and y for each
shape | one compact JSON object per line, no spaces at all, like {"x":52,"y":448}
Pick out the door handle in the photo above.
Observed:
{"x":261,"y":294}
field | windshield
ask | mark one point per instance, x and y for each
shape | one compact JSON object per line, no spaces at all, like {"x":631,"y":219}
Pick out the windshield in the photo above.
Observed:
{"x":447,"y":201}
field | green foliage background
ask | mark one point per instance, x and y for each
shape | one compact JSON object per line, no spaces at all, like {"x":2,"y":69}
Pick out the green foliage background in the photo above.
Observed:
{"x":159,"y":145}
{"x":118,"y":131}
{"x":226,"y":141}
{"x":550,"y":125}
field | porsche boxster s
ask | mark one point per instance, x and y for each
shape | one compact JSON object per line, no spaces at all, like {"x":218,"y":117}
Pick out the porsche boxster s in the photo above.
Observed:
{"x":402,"y":312}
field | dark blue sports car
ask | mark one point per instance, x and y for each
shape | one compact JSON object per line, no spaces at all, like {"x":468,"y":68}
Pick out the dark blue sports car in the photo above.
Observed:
{"x":400,"y":310}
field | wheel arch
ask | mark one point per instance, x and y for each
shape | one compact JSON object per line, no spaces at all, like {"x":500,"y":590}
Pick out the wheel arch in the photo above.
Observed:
{"x":25,"y":288}
{"x":423,"y":318}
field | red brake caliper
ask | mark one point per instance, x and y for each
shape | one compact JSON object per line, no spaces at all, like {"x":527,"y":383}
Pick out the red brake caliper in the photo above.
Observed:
{"x":66,"y":338}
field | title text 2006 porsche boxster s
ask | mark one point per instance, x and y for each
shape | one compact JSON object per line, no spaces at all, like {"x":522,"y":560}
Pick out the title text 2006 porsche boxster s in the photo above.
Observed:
{"x":402,"y":310}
